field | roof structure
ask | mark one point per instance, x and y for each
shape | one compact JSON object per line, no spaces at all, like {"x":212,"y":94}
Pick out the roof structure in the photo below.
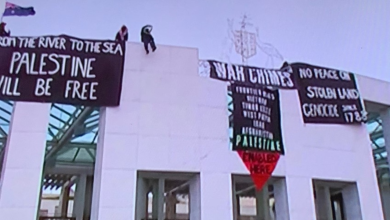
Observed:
{"x":374,"y":127}
{"x":71,"y":138}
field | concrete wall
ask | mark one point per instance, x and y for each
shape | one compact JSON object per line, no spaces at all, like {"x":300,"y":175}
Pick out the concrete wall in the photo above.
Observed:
{"x":171,"y":119}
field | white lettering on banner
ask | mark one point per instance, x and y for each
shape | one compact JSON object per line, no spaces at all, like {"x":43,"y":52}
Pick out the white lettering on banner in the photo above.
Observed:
{"x":321,"y":92}
{"x":270,"y":77}
{"x":55,"y":42}
{"x":305,"y":73}
{"x":9,"y":86}
{"x":320,"y":110}
{"x":76,"y":68}
{"x":347,"y":108}
{"x":112,"y":48}
{"x":328,"y":95}
{"x":253,"y":75}
{"x":83,"y":91}
{"x":26,"y":42}
{"x":79,"y":67}
{"x":345,"y":76}
{"x":27,"y":60}
{"x":7,"y":42}
{"x":345,"y":93}
{"x":42,"y":87}
{"x":85,"y":69}
{"x":325,"y":74}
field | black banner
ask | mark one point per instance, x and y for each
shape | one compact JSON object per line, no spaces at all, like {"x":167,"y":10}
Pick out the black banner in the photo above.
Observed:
{"x":256,"y":119}
{"x":328,"y":96}
{"x":61,"y":69}
{"x":277,"y":78}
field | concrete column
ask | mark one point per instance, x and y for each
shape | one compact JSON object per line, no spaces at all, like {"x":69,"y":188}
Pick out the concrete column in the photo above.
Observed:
{"x":195,"y":198}
{"x":171,"y":202}
{"x":262,"y":204}
{"x":300,"y":198}
{"x":216,"y":199}
{"x":21,"y":178}
{"x":114,"y":166}
{"x":352,"y":208}
{"x":385,"y":195}
{"x":236,"y":201}
{"x":155,"y":199}
{"x":88,"y":198}
{"x":237,"y":205}
{"x":64,"y":202}
{"x":323,"y":203}
{"x":142,"y":195}
{"x":281,"y":201}
{"x":161,"y":199}
{"x":79,"y":197}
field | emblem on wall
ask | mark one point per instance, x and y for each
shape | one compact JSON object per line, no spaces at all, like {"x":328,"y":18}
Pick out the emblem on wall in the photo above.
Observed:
{"x":244,"y":37}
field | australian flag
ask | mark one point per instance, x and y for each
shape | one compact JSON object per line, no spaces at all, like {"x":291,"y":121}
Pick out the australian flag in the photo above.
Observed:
{"x":16,"y":10}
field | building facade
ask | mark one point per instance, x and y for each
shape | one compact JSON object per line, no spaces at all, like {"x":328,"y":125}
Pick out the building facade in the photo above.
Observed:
{"x":170,"y":136}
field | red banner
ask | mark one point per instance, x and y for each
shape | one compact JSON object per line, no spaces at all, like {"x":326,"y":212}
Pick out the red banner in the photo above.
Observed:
{"x":260,"y":165}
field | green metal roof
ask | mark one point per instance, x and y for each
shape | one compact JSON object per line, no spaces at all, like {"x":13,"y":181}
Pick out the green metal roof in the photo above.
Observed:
{"x":374,"y":127}
{"x":72,"y":134}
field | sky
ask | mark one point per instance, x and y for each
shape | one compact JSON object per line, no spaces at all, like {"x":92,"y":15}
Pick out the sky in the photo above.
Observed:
{"x":348,"y":35}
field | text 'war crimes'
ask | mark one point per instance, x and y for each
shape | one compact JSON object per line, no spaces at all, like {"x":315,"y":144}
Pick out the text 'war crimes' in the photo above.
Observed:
{"x":253,"y":75}
{"x":63,"y":43}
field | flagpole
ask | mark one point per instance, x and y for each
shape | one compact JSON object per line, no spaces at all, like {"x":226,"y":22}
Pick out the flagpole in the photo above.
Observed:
{"x":2,"y":14}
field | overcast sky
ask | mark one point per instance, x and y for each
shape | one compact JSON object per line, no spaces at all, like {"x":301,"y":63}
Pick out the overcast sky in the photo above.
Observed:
{"x":349,"y":35}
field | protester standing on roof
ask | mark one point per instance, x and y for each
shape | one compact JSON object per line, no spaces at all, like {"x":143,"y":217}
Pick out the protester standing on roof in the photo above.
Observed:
{"x":3,"y":32}
{"x":122,"y":34}
{"x":147,"y":38}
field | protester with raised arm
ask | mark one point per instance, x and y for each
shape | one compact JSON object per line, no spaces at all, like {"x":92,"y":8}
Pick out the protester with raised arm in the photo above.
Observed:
{"x":147,"y":38}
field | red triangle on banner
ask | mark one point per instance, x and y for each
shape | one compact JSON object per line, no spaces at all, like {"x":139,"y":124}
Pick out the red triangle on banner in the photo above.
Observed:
{"x":261,"y":165}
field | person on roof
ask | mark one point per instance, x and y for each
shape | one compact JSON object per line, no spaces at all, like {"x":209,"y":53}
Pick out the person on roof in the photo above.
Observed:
{"x":122,"y":34}
{"x":147,"y":38}
{"x":3,"y":32}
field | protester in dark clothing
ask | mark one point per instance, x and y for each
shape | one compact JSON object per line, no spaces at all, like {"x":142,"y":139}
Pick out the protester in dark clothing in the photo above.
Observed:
{"x":147,"y":38}
{"x":122,"y":34}
{"x":3,"y":32}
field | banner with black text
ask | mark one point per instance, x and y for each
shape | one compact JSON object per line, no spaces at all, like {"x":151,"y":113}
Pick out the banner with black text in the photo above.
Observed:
{"x":247,"y":75}
{"x":256,"y":119}
{"x":61,"y":69}
{"x":328,"y":96}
